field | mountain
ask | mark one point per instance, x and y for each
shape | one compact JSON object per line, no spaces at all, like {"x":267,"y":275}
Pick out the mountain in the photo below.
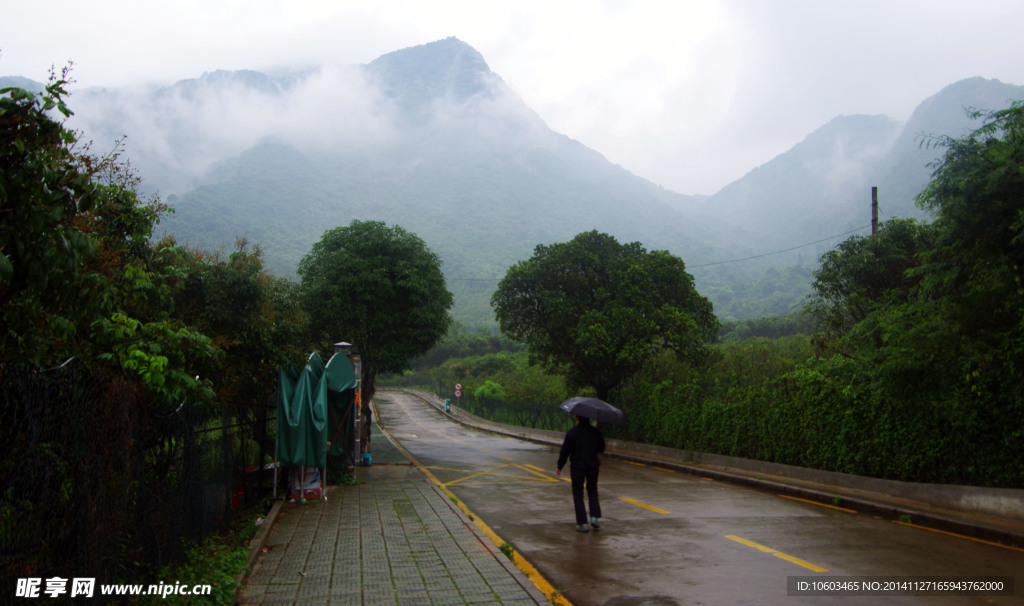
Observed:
{"x":454,"y":156}
{"x":21,"y":82}
{"x":906,"y":170}
{"x":810,"y":190}
{"x":431,"y":139}
{"x":822,"y":186}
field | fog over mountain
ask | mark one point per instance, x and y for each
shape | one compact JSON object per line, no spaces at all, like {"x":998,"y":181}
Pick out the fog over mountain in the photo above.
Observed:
{"x":431,"y":139}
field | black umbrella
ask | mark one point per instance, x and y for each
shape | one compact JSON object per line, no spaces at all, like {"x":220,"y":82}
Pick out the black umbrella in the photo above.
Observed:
{"x":595,"y":409}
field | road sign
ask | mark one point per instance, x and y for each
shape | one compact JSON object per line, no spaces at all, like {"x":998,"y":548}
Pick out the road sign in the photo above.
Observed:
{"x":458,"y":393}
{"x":458,"y":387}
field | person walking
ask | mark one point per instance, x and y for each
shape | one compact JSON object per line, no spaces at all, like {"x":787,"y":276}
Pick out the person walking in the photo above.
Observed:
{"x":581,"y":446}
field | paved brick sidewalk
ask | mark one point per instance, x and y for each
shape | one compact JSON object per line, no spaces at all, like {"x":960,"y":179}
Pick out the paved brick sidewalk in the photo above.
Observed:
{"x":383,"y":542}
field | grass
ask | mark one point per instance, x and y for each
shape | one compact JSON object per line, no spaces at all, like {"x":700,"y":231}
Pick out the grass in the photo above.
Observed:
{"x":339,"y":473}
{"x":217,"y":562}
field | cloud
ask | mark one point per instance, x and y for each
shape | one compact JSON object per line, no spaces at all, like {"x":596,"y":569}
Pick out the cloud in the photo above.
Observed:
{"x":690,"y":94}
{"x":174,"y":134}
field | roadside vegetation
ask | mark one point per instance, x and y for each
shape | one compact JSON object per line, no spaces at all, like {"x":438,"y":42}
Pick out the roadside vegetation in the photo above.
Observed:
{"x":905,"y":364}
{"x":136,"y":371}
{"x":133,"y":369}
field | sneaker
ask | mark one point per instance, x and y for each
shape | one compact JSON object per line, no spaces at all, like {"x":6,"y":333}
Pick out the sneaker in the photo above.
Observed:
{"x":594,"y":524}
{"x":582,"y":528}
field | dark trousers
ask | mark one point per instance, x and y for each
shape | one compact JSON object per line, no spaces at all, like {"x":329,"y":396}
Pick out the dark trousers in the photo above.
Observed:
{"x":587,"y":479}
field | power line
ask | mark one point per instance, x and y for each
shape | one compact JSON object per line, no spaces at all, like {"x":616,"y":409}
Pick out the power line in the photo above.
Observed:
{"x":782,"y":251}
{"x":473,"y":279}
{"x":767,"y":254}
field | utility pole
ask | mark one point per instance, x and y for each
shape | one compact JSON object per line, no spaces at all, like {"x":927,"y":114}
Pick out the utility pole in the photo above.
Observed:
{"x":874,"y":210}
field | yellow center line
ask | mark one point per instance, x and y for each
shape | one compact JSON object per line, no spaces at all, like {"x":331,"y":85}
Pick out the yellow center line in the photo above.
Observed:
{"x":663,"y":469}
{"x":644,"y":505}
{"x":786,"y":496}
{"x":777,"y":554}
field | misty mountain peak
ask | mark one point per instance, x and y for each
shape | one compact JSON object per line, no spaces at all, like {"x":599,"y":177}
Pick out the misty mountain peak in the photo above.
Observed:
{"x":416,"y":77}
{"x":945,"y":112}
{"x":219,"y":79}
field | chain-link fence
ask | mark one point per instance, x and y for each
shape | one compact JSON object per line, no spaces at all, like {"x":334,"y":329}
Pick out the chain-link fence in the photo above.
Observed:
{"x":97,"y":484}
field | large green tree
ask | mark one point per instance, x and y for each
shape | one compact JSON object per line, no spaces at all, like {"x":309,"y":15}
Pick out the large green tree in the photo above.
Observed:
{"x":47,"y":289}
{"x":152,"y":326}
{"x":977,"y":193}
{"x":944,"y":337}
{"x":962,"y":324}
{"x":254,"y":318}
{"x":971,"y":279}
{"x":596,"y":310}
{"x":864,"y":272}
{"x":379,"y":288}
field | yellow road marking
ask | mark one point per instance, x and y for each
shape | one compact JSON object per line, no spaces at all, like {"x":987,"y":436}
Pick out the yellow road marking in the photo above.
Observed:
{"x":534,"y":477}
{"x":663,"y":469}
{"x":476,"y":475}
{"x":637,"y":464}
{"x":537,"y":471}
{"x":777,"y":554}
{"x":786,"y":496}
{"x":644,"y":505}
{"x":521,"y":563}
{"x":959,"y":536}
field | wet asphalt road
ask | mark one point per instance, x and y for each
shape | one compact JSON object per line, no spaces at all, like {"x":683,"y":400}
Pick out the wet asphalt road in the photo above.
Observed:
{"x":672,"y":538}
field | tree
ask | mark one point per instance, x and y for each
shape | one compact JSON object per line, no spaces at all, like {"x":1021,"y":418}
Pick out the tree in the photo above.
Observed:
{"x":254,"y":318}
{"x":977,"y":193}
{"x":971,"y":279}
{"x":948,"y":348}
{"x":865,"y":272}
{"x":379,"y":288}
{"x":597,"y":310}
{"x":46,"y":288}
{"x":490,"y":390}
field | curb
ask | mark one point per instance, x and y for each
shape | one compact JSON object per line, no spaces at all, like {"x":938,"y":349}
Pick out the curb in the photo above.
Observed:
{"x":256,"y":546}
{"x":533,"y":581}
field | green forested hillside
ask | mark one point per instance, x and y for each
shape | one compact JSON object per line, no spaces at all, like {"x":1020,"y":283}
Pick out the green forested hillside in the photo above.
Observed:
{"x":430,"y":139}
{"x":905,"y":366}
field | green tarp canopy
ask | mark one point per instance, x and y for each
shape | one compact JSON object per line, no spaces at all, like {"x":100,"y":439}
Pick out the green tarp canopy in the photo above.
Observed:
{"x":315,"y":405}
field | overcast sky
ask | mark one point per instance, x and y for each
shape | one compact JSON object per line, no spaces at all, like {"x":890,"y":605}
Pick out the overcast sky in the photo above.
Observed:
{"x":689,"y":94}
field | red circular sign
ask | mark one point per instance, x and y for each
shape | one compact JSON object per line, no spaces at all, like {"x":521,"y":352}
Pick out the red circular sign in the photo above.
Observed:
{"x":458,"y":393}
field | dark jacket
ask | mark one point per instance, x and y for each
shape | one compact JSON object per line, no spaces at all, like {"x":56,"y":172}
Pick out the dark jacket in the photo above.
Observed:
{"x":580,"y":447}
